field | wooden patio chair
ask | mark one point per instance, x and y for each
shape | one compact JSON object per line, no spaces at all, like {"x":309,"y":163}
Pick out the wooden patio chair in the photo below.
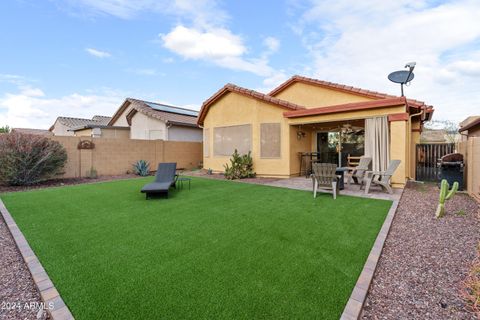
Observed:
{"x":358,"y":173}
{"x":353,"y":161}
{"x":324,"y":177}
{"x":380,"y":178}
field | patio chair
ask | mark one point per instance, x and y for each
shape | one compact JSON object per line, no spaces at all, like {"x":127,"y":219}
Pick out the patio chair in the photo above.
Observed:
{"x":164,"y":179}
{"x":324,"y":177}
{"x":358,"y":173}
{"x":380,"y":178}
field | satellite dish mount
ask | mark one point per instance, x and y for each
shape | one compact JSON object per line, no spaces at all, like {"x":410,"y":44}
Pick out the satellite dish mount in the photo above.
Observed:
{"x":403,"y":76}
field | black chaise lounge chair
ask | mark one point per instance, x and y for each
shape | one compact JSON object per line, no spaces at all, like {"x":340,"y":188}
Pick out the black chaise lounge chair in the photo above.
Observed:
{"x":164,"y":179}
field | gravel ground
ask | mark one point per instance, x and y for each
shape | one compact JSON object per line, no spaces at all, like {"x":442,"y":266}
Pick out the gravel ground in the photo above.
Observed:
{"x":425,"y":259}
{"x":16,"y":284}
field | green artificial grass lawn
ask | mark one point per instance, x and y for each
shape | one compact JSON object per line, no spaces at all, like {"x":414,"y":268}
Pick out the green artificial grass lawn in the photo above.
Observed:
{"x":221,"y":250}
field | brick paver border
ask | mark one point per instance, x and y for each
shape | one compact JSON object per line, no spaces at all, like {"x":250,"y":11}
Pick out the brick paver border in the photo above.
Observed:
{"x":355,"y":303}
{"x":48,"y":292}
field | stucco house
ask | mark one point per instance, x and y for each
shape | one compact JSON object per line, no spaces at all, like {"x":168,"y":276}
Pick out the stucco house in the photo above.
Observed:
{"x":305,"y":115}
{"x":101,"y":131}
{"x":470,"y":148}
{"x":470,"y":127}
{"x":65,"y":126}
{"x":154,"y":121}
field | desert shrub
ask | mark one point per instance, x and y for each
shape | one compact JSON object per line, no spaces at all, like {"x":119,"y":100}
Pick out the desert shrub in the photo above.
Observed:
{"x":241,"y":166}
{"x":27,"y":159}
{"x":141,"y":168}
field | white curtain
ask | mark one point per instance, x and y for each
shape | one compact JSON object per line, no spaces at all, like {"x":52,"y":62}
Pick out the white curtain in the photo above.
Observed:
{"x":377,"y":144}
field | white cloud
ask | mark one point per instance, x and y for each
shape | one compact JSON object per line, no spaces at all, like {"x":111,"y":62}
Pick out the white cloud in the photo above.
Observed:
{"x":98,"y":53}
{"x":190,"y":43}
{"x":272,"y":44}
{"x":360,"y":42}
{"x":216,"y":45}
{"x":32,"y":108}
{"x":202,"y":12}
{"x":143,"y":71}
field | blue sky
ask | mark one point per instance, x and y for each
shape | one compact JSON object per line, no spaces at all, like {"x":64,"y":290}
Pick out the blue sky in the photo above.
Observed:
{"x":84,"y":57}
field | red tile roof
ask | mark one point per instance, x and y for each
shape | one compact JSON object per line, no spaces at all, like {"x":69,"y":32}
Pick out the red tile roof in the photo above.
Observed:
{"x":347,"y":107}
{"x":381,"y":99}
{"x":246,"y":92}
{"x":340,"y":87}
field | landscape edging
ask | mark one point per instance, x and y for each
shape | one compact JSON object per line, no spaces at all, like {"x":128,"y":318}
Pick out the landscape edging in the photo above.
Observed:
{"x":355,"y":303}
{"x":49,"y":294}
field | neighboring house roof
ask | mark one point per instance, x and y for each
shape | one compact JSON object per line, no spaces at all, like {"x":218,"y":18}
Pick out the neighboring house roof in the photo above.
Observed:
{"x":103,"y":119}
{"x":340,"y":87}
{"x":78,"y":122}
{"x":167,"y":113}
{"x":246,"y":92}
{"x":433,"y":135}
{"x":470,"y":124}
{"x":101,"y":126}
{"x":42,"y":132}
{"x":347,"y":107}
{"x":295,"y":110}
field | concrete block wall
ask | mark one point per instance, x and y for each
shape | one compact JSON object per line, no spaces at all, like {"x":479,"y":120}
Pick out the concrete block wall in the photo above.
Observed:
{"x":471,"y":152}
{"x":116,"y":156}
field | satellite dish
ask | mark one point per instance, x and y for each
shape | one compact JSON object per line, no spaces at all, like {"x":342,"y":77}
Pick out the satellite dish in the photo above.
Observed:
{"x":402,"y":76}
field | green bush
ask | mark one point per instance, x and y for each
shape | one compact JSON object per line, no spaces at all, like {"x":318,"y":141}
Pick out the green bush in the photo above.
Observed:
{"x":241,"y":166}
{"x":27,"y":159}
{"x":141,"y":168}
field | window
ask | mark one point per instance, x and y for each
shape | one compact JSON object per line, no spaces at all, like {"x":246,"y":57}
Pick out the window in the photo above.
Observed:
{"x":206,"y":142}
{"x":270,"y":140}
{"x":227,"y":139}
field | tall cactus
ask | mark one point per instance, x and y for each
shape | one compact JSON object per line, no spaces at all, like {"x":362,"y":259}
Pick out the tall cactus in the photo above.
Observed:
{"x":445,"y":194}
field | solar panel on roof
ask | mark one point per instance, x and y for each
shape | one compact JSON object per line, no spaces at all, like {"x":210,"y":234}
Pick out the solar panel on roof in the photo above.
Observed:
{"x":161,"y":107}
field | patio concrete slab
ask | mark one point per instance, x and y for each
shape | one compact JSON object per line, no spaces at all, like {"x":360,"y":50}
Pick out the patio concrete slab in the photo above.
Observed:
{"x":302,"y":183}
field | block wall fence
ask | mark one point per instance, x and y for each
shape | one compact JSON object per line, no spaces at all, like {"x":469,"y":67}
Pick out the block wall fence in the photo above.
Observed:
{"x":116,"y":156}
{"x":471,"y":153}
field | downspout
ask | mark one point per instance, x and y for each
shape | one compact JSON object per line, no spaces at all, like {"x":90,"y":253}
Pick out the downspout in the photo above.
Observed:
{"x":409,"y":137}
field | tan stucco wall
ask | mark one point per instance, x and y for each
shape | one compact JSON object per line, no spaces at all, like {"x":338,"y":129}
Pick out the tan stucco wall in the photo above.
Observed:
{"x":311,"y":96}
{"x":122,"y":119}
{"x":360,"y":114}
{"x":147,"y":128}
{"x":60,"y":129}
{"x":398,"y":151}
{"x":116,"y":156}
{"x":115,"y":133}
{"x":83,"y":133}
{"x":105,"y":133}
{"x":182,"y":133}
{"x":234,"y":109}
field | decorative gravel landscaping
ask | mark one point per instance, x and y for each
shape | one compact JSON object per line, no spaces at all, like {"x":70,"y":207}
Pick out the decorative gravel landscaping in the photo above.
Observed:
{"x":219,"y":250}
{"x":425,"y":260}
{"x":19,"y":297}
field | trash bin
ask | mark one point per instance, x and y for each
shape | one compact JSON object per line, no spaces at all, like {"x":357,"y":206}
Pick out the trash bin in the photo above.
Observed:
{"x":451,"y":169}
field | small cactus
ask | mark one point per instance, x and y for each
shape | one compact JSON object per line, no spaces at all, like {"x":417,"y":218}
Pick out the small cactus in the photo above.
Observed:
{"x":445,"y":194}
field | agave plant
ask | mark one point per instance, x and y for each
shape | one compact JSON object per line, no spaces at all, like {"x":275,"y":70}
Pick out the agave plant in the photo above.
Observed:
{"x":141,"y":168}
